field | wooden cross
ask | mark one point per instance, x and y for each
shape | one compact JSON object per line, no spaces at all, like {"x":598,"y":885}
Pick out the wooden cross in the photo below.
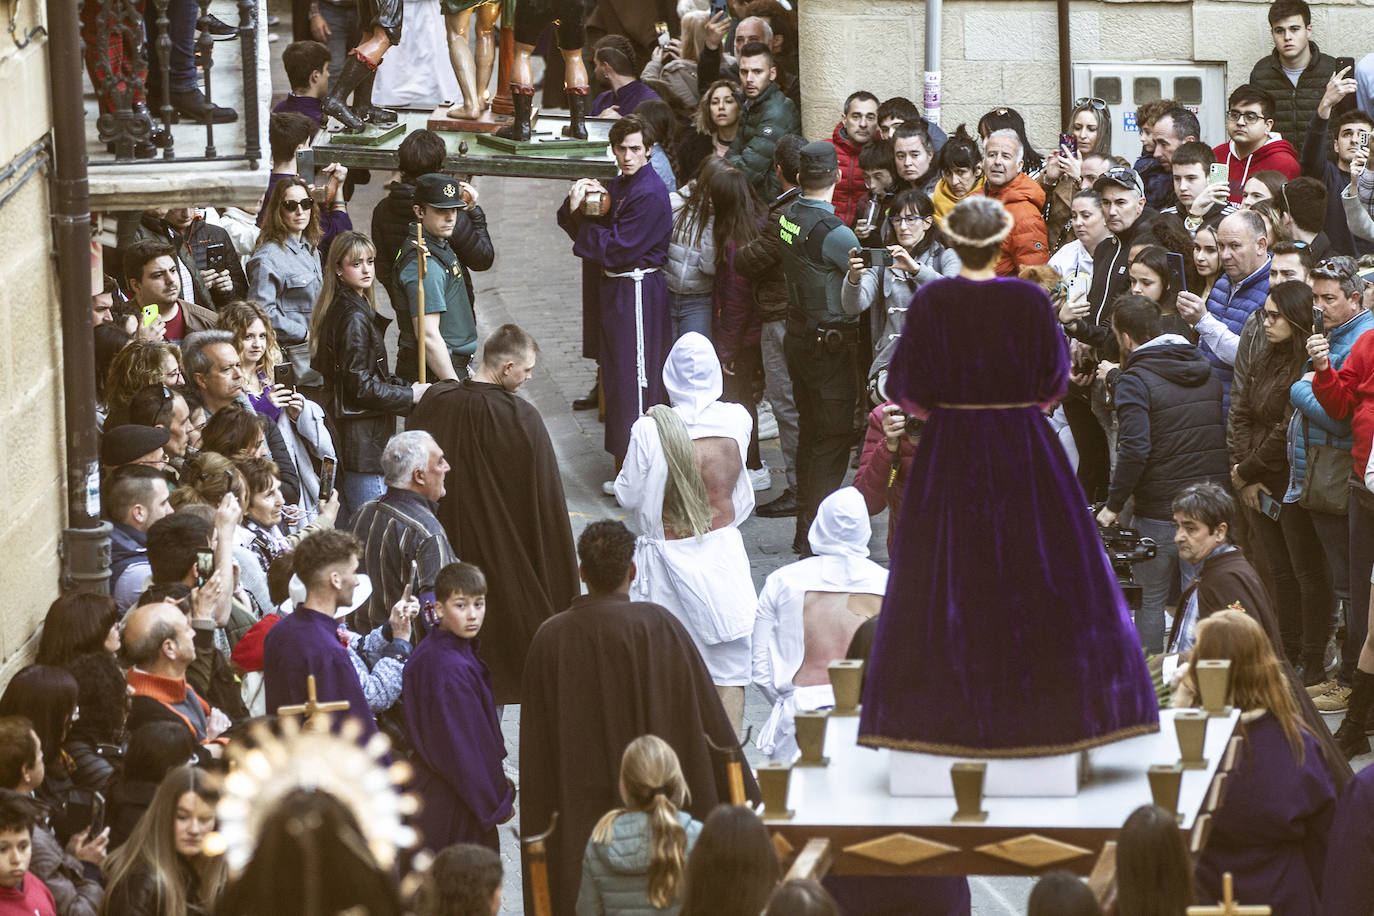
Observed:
{"x":312,"y":708}
{"x":1228,"y":905}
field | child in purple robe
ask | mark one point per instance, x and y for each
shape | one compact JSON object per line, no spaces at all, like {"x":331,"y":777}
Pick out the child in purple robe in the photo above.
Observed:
{"x":1271,"y":830}
{"x":452,"y":719}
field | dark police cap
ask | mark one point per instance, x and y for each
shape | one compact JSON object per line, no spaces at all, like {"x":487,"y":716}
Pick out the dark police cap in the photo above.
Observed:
{"x":439,"y":191}
{"x":818,"y":159}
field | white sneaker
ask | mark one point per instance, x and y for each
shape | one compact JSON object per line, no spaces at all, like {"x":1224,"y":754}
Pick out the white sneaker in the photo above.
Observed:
{"x":768,"y":423}
{"x":608,"y":488}
{"x":762,"y":479}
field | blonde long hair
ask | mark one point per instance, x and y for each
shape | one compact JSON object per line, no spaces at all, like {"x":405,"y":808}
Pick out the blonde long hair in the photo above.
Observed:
{"x":1257,"y":678}
{"x":152,"y":845}
{"x":686,"y":507}
{"x":237,"y":317}
{"x":346,"y":245}
{"x":651,"y":781}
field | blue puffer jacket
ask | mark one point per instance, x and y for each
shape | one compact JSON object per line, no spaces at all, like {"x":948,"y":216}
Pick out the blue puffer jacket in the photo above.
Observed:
{"x":1232,"y":305}
{"x":615,"y":875}
{"x":1321,"y":428}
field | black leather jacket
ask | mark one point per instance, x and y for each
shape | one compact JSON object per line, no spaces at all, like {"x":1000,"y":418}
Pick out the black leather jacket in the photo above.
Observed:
{"x":362,"y":397}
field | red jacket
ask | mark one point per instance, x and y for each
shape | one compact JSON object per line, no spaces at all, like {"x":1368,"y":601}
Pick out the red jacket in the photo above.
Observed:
{"x":875,"y":472}
{"x":1275,"y":154}
{"x":1028,"y":242}
{"x":851,"y":186}
{"x":1348,"y":392}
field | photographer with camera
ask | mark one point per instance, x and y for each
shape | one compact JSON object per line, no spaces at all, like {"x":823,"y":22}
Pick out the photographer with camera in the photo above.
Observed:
{"x":822,"y":335}
{"x":884,"y":290}
{"x":1172,"y":434}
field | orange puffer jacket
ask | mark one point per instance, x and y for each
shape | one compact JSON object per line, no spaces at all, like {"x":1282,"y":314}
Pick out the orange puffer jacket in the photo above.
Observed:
{"x":1027,"y":244}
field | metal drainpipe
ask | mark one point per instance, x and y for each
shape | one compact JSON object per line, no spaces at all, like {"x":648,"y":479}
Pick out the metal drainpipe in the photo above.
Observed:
{"x":86,"y":539}
{"x":1065,"y":64}
{"x":931,"y":91}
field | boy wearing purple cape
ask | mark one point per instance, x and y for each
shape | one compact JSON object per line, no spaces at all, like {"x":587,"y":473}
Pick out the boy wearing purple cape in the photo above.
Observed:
{"x":452,"y":720}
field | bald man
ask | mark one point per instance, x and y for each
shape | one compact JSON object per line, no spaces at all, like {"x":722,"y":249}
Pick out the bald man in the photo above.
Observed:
{"x":1239,"y":292}
{"x":159,"y":641}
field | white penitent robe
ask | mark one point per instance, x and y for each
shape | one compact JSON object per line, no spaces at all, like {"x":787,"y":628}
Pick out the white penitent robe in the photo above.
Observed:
{"x":417,"y":72}
{"x":839,"y":538}
{"x":705,"y":582}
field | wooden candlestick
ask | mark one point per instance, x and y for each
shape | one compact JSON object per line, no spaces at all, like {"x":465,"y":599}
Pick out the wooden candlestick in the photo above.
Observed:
{"x":1191,"y":727}
{"x":1165,"y":781}
{"x":810,"y":726}
{"x":1214,"y":685}
{"x":968,"y":777}
{"x":846,"y":678}
{"x":773,"y":781}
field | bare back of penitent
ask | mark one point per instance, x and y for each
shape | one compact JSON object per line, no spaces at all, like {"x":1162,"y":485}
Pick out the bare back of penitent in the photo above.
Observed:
{"x":719,"y":462}
{"x":829,"y":620}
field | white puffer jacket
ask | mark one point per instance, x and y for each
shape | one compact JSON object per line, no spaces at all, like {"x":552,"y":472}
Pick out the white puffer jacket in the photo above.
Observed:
{"x":690,"y":269}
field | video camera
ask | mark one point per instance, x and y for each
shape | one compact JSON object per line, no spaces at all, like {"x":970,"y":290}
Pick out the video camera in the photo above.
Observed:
{"x":1125,"y":547}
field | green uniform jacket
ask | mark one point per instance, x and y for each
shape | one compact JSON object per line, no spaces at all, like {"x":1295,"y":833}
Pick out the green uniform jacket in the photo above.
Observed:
{"x":446,"y":294}
{"x":763,"y":122}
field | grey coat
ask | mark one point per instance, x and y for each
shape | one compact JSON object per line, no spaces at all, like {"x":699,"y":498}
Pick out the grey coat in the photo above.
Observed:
{"x":615,"y":875}
{"x":886,"y":292}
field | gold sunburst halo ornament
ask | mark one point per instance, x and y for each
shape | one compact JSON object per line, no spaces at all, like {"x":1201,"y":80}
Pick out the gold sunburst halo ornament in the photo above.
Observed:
{"x":268,"y":768}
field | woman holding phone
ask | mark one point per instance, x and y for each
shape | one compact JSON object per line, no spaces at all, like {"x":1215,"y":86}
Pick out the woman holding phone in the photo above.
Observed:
{"x":271,"y":387}
{"x":1260,"y":414}
{"x":348,"y":350}
{"x":917,"y":258}
{"x":1089,"y":131}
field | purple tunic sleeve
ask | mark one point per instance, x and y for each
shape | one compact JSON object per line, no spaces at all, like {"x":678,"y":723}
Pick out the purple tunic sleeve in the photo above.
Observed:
{"x":455,"y":728}
{"x":637,"y":230}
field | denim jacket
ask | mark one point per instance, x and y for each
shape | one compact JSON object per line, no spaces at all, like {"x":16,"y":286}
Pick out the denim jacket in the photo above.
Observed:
{"x":286,"y":279}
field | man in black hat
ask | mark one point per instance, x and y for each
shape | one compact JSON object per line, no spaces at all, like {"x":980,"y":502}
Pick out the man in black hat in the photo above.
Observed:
{"x":132,"y":444}
{"x":821,"y":338}
{"x":450,"y":327}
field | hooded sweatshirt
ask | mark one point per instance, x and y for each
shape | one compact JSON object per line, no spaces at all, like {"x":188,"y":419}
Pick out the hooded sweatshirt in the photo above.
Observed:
{"x":1172,"y":429}
{"x":1274,"y":153}
{"x":615,"y":875}
{"x":1028,"y":241}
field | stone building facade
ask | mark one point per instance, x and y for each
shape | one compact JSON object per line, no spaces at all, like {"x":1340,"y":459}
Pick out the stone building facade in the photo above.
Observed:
{"x":32,"y":490}
{"x":1006,"y":52}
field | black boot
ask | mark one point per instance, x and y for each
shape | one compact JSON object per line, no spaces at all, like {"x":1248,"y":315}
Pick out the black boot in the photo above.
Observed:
{"x":1350,"y":736}
{"x":363,"y":107}
{"x":523,"y":99}
{"x":350,"y":78}
{"x":593,"y":398}
{"x":579,"y":99}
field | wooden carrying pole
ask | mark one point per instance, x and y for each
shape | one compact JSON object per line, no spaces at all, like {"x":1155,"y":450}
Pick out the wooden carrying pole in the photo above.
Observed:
{"x":537,"y":868}
{"x":420,"y":296}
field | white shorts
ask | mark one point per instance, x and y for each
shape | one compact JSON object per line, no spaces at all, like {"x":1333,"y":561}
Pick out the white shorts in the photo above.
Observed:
{"x":730,"y":663}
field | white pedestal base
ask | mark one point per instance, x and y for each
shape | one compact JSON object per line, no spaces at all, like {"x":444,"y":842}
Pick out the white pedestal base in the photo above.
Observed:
{"x":927,"y":775}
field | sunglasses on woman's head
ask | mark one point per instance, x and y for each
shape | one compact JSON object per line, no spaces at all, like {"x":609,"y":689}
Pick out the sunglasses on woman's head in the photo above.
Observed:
{"x":291,"y":206}
{"x":1094,"y":102}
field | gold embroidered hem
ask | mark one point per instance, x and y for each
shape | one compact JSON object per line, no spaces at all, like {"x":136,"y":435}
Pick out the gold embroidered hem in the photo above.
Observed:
{"x":952,"y":750}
